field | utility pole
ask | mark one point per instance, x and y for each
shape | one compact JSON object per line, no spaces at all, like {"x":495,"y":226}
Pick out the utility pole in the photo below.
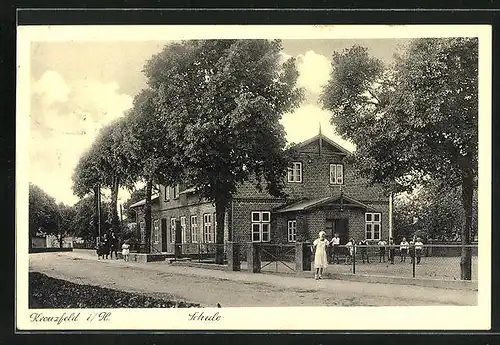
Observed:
{"x":98,"y":213}
{"x":390,"y":214}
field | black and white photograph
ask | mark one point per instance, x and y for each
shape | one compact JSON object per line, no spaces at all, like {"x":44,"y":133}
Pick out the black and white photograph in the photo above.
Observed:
{"x":253,"y":177}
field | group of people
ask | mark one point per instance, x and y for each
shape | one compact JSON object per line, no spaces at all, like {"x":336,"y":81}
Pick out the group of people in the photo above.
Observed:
{"x":109,"y":245}
{"x":320,"y":247}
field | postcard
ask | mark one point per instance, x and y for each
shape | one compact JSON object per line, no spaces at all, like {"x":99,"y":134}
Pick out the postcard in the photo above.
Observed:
{"x":253,"y":177}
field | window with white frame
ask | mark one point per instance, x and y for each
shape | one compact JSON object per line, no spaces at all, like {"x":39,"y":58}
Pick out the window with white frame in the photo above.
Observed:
{"x":183,"y":230}
{"x":336,"y":174}
{"x":176,"y":191}
{"x":295,"y":172}
{"x":167,"y":193}
{"x":156,"y":231}
{"x":208,"y":230}
{"x":372,"y":226}
{"x":292,"y":231}
{"x":172,"y":229}
{"x":261,"y":226}
{"x":194,"y":229}
{"x":215,"y":226}
{"x":143,"y":232}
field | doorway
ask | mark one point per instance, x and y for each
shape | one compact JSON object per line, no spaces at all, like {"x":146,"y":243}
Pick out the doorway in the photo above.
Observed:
{"x":164,"y":235}
{"x":338,"y":226}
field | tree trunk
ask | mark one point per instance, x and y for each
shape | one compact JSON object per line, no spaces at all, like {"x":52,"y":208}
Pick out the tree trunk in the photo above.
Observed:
{"x":466,"y":258}
{"x":147,"y":215}
{"x":115,"y":223}
{"x":220,"y":211}
{"x":97,"y":214}
{"x":31,"y":243}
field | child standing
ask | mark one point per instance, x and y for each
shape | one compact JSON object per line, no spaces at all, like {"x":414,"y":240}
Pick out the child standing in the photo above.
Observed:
{"x":419,"y":246}
{"x":320,"y":258}
{"x":381,"y":250}
{"x":335,"y":242}
{"x":125,"y":251}
{"x":403,"y":249}
{"x":350,"y":251}
{"x":364,"y":251}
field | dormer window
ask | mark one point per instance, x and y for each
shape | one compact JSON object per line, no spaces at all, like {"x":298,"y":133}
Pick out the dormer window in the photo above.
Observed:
{"x":336,"y":174}
{"x":295,"y":172}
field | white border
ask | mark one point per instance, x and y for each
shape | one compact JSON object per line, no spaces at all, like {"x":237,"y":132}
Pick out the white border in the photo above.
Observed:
{"x":289,"y":318}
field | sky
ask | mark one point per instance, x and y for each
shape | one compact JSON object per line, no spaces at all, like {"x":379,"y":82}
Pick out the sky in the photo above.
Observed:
{"x":78,"y":87}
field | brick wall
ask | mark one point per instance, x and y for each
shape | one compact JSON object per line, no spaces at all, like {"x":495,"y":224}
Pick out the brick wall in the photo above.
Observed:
{"x":183,"y":199}
{"x":187,"y":211}
{"x":316,"y":184}
{"x":241,"y":218}
{"x":311,"y":223}
{"x":316,"y":179}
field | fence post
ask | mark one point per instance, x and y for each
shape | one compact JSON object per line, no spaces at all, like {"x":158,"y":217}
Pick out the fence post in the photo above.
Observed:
{"x":413,"y":258}
{"x":354,"y":258}
{"x":302,"y":256}
{"x":429,"y":249}
{"x":253,"y":257}
{"x":233,"y":256}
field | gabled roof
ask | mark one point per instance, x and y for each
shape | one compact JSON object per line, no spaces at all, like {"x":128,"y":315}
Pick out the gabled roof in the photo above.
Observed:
{"x":143,"y":201}
{"x":308,"y":204}
{"x":342,"y":150}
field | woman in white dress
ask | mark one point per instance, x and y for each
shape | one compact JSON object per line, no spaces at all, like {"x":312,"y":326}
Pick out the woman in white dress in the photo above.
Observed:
{"x":320,"y":257}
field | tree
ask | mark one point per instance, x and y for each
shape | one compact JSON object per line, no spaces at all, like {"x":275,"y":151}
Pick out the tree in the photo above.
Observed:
{"x":66,"y":218}
{"x":107,"y":163}
{"x":223,"y":100}
{"x":413,"y":121}
{"x":439,"y":212}
{"x":43,"y":213}
{"x":85,"y":218}
{"x":150,"y":149}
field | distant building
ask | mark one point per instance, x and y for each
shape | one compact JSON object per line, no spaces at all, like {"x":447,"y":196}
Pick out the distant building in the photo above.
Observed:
{"x":324,"y":193}
{"x":43,"y":240}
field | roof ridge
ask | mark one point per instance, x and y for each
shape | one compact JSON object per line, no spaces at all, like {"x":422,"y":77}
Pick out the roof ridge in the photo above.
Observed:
{"x":327,"y":139}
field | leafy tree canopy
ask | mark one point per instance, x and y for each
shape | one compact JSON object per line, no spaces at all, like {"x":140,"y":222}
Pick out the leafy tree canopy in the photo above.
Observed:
{"x":43,"y":212}
{"x":222,"y":101}
{"x":412,"y":120}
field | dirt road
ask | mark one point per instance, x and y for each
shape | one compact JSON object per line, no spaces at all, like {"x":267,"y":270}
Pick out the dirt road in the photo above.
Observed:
{"x":235,"y":289}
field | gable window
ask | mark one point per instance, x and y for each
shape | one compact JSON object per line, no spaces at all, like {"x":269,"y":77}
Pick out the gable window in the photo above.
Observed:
{"x":143,"y":232}
{"x":167,"y":193}
{"x":194,"y":229}
{"x":176,"y":191}
{"x":183,"y":230}
{"x":292,"y":231}
{"x":208,"y":231}
{"x":261,"y":226}
{"x":372,"y":226}
{"x":336,"y":174}
{"x":172,"y":229}
{"x":295,"y":172}
{"x":156,"y":231}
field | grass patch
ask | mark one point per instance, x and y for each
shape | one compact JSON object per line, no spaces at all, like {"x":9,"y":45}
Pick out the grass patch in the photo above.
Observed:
{"x":47,"y":292}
